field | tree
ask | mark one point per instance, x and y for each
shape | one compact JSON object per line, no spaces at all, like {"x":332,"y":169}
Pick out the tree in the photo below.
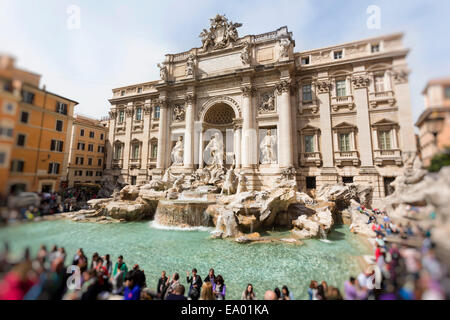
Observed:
{"x":440,"y":160}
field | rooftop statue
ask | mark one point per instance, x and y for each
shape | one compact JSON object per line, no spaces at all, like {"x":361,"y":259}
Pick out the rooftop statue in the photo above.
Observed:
{"x":221,"y":34}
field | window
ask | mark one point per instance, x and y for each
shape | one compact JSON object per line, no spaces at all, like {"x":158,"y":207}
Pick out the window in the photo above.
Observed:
{"x":307,"y":93}
{"x":133,"y":180}
{"x":17,"y":165}
{"x":89,"y":161}
{"x":21,"y":140}
{"x":89,"y":173}
{"x":122,"y":93}
{"x":135,"y":151}
{"x":157,"y":112}
{"x":118,"y":152}
{"x":310,"y":183}
{"x":447,"y":92}
{"x":81,"y":146}
{"x":9,"y":108}
{"x":28,"y":97}
{"x":59,"y":125}
{"x":102,"y":136}
{"x":2,"y":157}
{"x":305,"y":60}
{"x":56,"y":145}
{"x":379,"y":83}
{"x":138,"y":114}
{"x":82,"y":132}
{"x":98,"y":174}
{"x":79,"y":160}
{"x":24,"y":117}
{"x":8,"y":86}
{"x":338,"y":55}
{"x":121,"y":116}
{"x":344,"y":142}
{"x":99,"y":162}
{"x":90,"y":147}
{"x":347,"y":180}
{"x":388,"y":189}
{"x":78,"y":173}
{"x":375,"y":48}
{"x":341,"y":88}
{"x":309,"y":143}
{"x":7,"y":132}
{"x":139,"y":90}
{"x":154,"y":153}
{"x":384,"y":138}
{"x":61,"y":108}
{"x":53,"y":168}
{"x":91,"y":134}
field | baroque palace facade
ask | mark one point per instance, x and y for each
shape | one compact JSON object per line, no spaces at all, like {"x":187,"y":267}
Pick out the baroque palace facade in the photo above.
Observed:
{"x":336,"y":114}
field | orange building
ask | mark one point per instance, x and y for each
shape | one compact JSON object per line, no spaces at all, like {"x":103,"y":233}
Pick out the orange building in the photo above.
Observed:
{"x":434,"y":122}
{"x":38,"y":129}
{"x":87,"y":151}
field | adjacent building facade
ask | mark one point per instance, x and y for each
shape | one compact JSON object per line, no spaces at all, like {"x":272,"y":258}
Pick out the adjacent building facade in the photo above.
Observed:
{"x":434,"y":122}
{"x":35,"y":128}
{"x":87,"y":151}
{"x":335,"y":114}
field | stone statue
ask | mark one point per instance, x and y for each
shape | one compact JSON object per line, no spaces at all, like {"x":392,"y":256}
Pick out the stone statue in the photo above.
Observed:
{"x":245,"y":55}
{"x":178,"y":152}
{"x":221,"y":34}
{"x":268,"y":149}
{"x":268,"y":103}
{"x":190,"y":65}
{"x":284,"y":47}
{"x":163,"y":71}
{"x":242,"y":183}
{"x":207,"y":39}
{"x":215,"y":148}
{"x":179,"y":114}
{"x":229,"y":185}
{"x":231,"y":33}
{"x":178,"y":184}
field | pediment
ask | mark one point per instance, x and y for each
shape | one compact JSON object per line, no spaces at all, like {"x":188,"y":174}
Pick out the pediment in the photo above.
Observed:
{"x":344,"y":125}
{"x":385,"y":122}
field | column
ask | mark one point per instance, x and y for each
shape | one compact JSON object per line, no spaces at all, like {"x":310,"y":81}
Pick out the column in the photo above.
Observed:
{"x":146,"y":138}
{"x":360,"y":84}
{"x":323,"y":94}
{"x":286,"y":148}
{"x":162,"y":135}
{"x":237,"y":145}
{"x":111,"y":138}
{"x":128,"y":127}
{"x":249,"y":158}
{"x":189,"y":133}
{"x":200,"y":150}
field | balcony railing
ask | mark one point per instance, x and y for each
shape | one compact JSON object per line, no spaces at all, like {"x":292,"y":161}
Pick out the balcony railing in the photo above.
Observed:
{"x":136,"y":163}
{"x":376,"y":98}
{"x":308,"y":158}
{"x":343,"y":101}
{"x":346,"y":156}
{"x":388,"y":155}
{"x":117,"y":163}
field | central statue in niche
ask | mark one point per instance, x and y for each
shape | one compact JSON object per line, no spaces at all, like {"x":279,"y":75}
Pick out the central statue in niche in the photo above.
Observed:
{"x":215,"y":149}
{"x":268,"y":150}
{"x":178,"y":152}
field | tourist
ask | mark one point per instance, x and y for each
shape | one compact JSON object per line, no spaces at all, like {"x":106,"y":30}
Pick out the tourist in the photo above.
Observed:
{"x":53,"y":254}
{"x":350,"y":289}
{"x":248,"y":293}
{"x":17,"y":282}
{"x":161,"y":287}
{"x":171,"y":284}
{"x":312,"y":290}
{"x":132,"y":290}
{"x":219,"y":288}
{"x":117,"y":282}
{"x":270,"y":295}
{"x":139,"y":276}
{"x":108,"y":263}
{"x":211,"y":276}
{"x":321,"y":293}
{"x":90,"y":288}
{"x":285,"y":294}
{"x":94,"y":261}
{"x":207,"y":292}
{"x":278,"y":293}
{"x":334,"y":294}
{"x":177,"y":294}
{"x":196,"y":284}
{"x":120,"y":265}
{"x":100,"y":268}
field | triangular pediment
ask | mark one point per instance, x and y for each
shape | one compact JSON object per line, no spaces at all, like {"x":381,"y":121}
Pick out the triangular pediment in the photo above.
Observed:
{"x":343,"y":125}
{"x":385,"y":122}
{"x":310,"y":128}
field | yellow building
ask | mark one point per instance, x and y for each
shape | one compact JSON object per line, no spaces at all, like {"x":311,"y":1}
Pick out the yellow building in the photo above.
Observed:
{"x":87,"y":151}
{"x":38,"y":130}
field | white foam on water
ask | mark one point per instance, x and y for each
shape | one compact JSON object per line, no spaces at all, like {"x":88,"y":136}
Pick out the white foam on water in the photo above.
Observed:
{"x":154,"y":225}
{"x":325,"y":241}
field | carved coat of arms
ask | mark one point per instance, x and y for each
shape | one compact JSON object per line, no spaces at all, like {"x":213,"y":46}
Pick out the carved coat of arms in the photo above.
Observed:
{"x":221,"y":34}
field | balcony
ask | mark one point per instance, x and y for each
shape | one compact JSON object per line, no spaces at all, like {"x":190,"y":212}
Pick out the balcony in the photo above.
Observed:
{"x":342,"y":157}
{"x":342,"y":102}
{"x":386,"y":97}
{"x":311,"y":158}
{"x":117,"y":164}
{"x":382,"y":156}
{"x":135,"y":164}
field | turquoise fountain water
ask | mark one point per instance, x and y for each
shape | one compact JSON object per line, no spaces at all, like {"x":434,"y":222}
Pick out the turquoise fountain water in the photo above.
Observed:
{"x":265,"y":265}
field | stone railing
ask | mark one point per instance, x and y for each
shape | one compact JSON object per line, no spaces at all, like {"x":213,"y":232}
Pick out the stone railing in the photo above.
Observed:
{"x":308,"y":158}
{"x":376,"y":98}
{"x":117,"y":163}
{"x":135,"y":163}
{"x":344,"y":101}
{"x":346,"y":156}
{"x":380,"y":156}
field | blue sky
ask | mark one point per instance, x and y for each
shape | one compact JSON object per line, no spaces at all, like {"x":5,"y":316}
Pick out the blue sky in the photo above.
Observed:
{"x":120,"y":42}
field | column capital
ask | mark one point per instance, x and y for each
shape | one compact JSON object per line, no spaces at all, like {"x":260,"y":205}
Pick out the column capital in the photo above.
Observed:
{"x":360,"y":81}
{"x":401,"y":76}
{"x":130,"y":111}
{"x":284,"y":86}
{"x":248,"y":91}
{"x":322,"y":86}
{"x":113,"y":113}
{"x":147,"y":109}
{"x":190,"y":98}
{"x":163,"y":102}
